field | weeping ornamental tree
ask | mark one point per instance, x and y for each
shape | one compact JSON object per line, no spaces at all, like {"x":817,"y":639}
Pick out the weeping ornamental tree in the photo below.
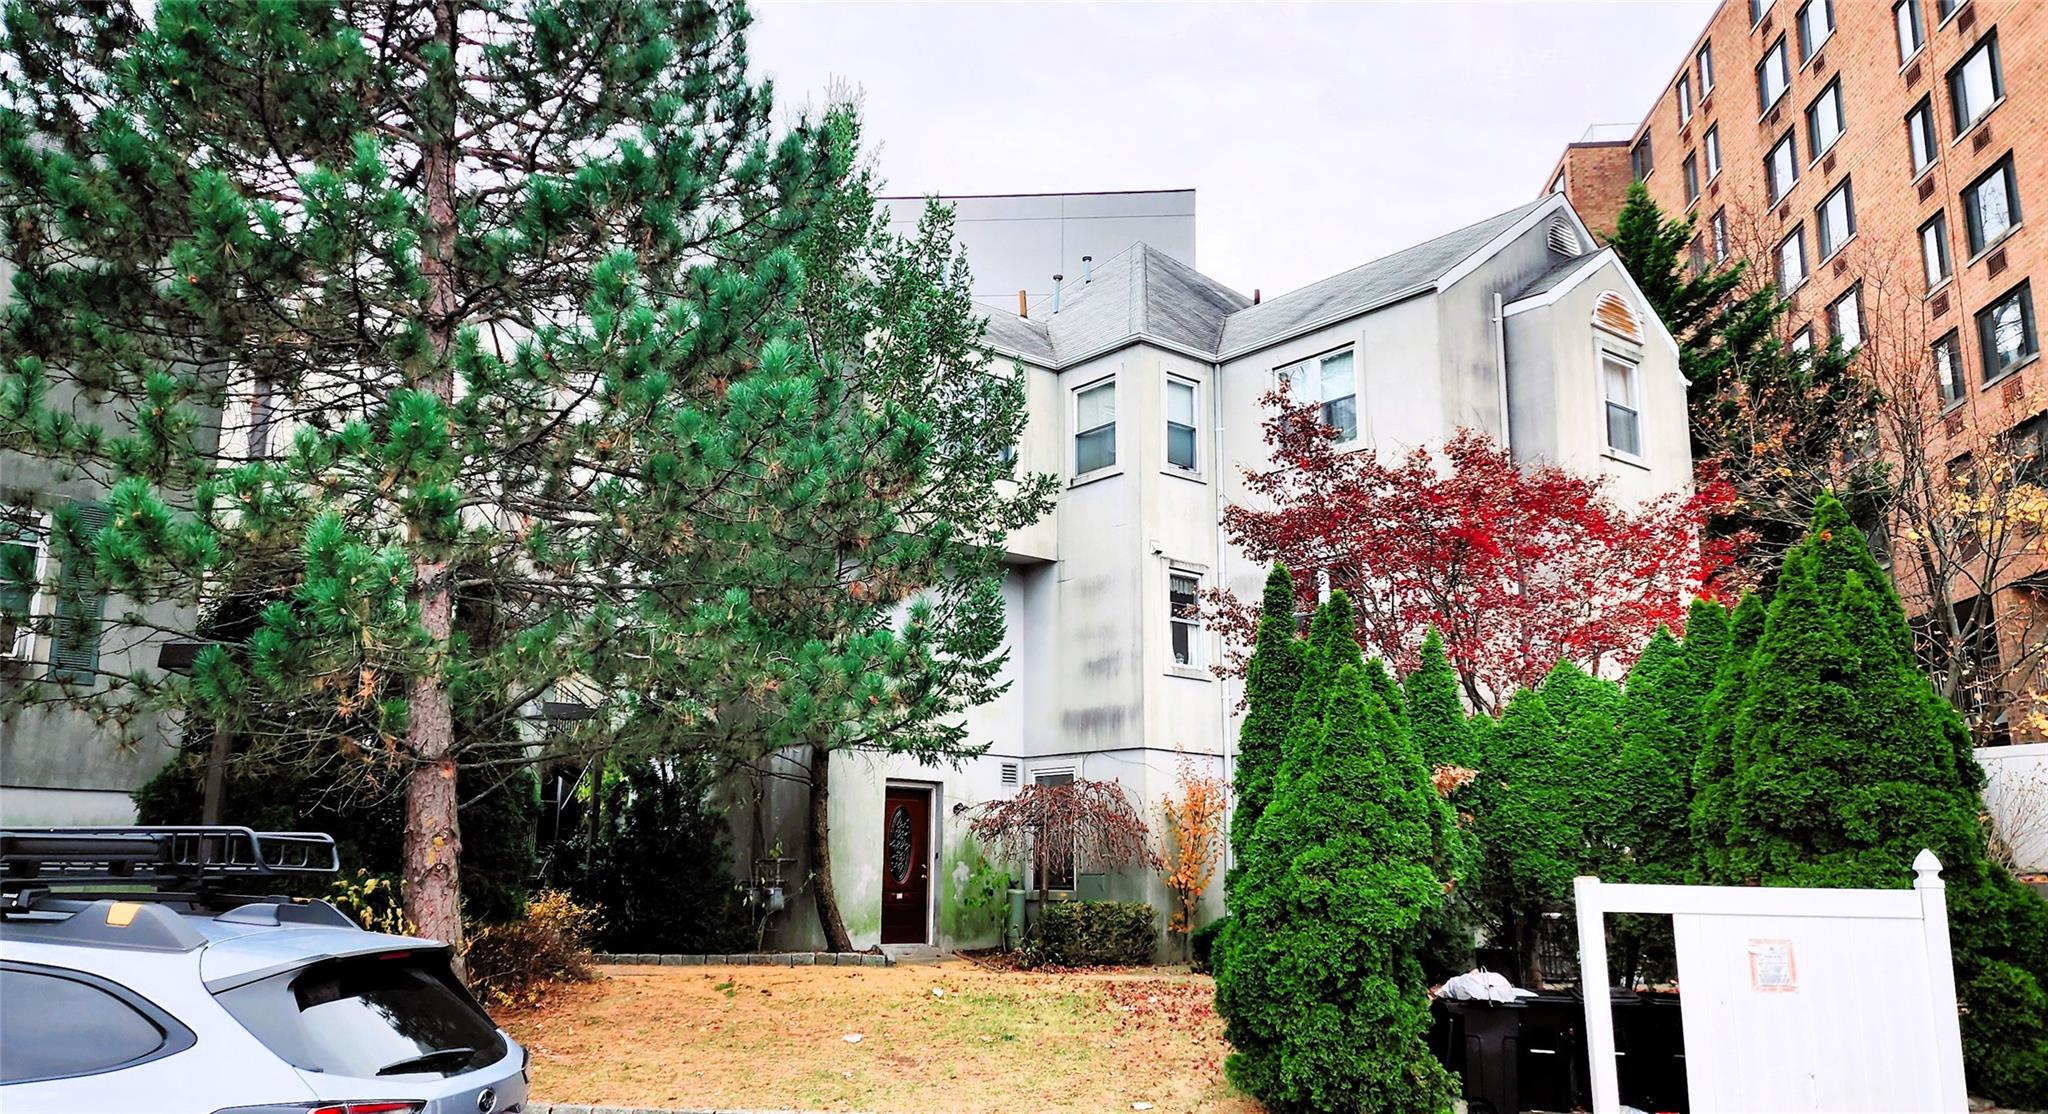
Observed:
{"x":1842,"y":762}
{"x":469,"y":345}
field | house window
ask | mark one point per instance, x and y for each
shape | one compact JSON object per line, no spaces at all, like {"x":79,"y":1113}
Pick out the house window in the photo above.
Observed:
{"x":1912,"y":33}
{"x":1845,"y":318}
{"x":1802,"y":341}
{"x":1624,"y":411}
{"x":1712,"y":144}
{"x":75,"y":616}
{"x":1824,"y":123}
{"x":2005,"y":331}
{"x":1095,"y":428}
{"x":1816,"y":23}
{"x":1920,"y":133}
{"x":1991,"y":206}
{"x":1691,"y":170}
{"x":1773,"y":76}
{"x":1639,"y":159}
{"x":1184,"y":614}
{"x":1059,"y":853}
{"x":1180,"y":423}
{"x":1684,"y":100}
{"x":1948,"y":368}
{"x":1976,"y":84}
{"x":1719,"y":227}
{"x":1331,"y":382}
{"x":1934,"y":249}
{"x":21,"y":574}
{"x":1836,"y":219}
{"x":1781,"y":168}
{"x":1705,"y":58}
{"x":1792,"y":261}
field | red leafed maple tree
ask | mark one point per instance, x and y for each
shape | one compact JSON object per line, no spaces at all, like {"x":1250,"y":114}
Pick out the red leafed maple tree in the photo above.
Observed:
{"x":1518,"y":565}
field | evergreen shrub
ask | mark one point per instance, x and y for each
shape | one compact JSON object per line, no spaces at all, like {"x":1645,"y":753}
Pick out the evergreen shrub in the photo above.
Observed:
{"x":1094,"y":934}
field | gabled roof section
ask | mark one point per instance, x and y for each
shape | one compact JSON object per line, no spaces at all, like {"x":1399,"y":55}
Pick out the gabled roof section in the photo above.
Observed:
{"x":1364,"y":288}
{"x":1560,"y":280}
{"x":1556,"y":275}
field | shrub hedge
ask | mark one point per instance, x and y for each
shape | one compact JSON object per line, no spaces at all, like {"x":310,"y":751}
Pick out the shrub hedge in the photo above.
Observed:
{"x":1095,"y":934}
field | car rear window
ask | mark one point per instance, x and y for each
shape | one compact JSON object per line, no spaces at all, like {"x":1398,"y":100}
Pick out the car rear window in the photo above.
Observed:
{"x":397,"y":1014}
{"x":57,"y":1025}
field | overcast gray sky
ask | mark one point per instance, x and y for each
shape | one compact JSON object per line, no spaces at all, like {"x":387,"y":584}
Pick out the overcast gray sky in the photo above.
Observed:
{"x":1319,"y":136}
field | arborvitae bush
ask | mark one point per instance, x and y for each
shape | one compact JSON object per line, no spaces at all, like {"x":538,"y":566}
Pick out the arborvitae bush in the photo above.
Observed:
{"x":1442,"y":735}
{"x":1845,"y":763}
{"x":1436,"y":716}
{"x":1271,"y":679}
{"x":1713,"y":783}
{"x":1323,"y":993}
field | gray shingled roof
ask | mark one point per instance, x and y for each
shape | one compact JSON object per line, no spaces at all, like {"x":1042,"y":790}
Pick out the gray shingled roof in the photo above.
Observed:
{"x":1556,"y":274}
{"x":1366,"y":287}
{"x":1141,"y":292}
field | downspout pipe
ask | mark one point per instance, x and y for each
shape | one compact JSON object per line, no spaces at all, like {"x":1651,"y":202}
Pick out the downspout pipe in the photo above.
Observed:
{"x":1500,"y":372}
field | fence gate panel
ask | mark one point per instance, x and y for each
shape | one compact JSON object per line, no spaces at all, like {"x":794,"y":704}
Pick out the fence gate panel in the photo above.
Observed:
{"x":1795,"y":999}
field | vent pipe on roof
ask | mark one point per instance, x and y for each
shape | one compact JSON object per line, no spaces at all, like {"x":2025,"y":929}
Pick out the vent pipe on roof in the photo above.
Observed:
{"x":1056,"y":294}
{"x":1023,"y":304}
{"x":1087,"y":269}
{"x":1255,"y":295}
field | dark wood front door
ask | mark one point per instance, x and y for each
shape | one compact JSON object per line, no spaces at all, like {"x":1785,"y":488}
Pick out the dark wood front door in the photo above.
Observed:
{"x":906,"y":866}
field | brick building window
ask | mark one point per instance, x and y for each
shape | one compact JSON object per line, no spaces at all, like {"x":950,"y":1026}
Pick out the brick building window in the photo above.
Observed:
{"x":1696,"y":252}
{"x":1948,"y":368}
{"x":1845,"y":318}
{"x":1912,"y":32}
{"x":1711,"y":144}
{"x":1934,"y":249}
{"x":1757,"y":8}
{"x":1781,"y":168}
{"x":1791,"y":263}
{"x":1836,"y":219}
{"x":1946,"y":8}
{"x":1824,"y":122}
{"x":1705,"y":59}
{"x":1920,"y":135}
{"x":1976,"y":84}
{"x":1773,"y":76}
{"x":1719,"y":227}
{"x":1816,"y":23}
{"x":1802,"y":341}
{"x":1691,"y":170}
{"x":1991,"y":206}
{"x":1684,"y":100}
{"x":2005,"y":333}
{"x":1639,"y":159}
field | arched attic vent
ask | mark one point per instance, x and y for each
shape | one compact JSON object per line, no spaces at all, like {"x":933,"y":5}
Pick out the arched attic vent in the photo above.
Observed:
{"x":1564,"y":239}
{"x":1613,"y":313}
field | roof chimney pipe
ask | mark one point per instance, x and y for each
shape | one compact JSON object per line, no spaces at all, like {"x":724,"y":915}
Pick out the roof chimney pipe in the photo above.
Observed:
{"x":1023,"y":304}
{"x":1255,"y":295}
{"x":1087,"y":269}
{"x":1056,"y":294}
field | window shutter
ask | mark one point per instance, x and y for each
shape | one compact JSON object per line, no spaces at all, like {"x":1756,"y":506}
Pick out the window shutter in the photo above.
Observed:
{"x":75,"y":622}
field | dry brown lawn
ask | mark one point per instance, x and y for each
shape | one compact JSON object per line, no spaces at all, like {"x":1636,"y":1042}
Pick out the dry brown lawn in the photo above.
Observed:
{"x":940,"y":1037}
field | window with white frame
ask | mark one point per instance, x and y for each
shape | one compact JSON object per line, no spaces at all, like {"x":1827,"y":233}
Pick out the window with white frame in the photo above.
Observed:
{"x":1948,"y":368}
{"x":1705,"y":59}
{"x":1845,"y":318}
{"x":1816,"y":23}
{"x":1331,"y":384}
{"x":1836,"y":219}
{"x":1180,"y":423}
{"x":1802,"y":341}
{"x":1912,"y":32}
{"x":1757,"y":8}
{"x":1095,"y":427}
{"x":1934,"y":249}
{"x":1824,"y":121}
{"x":22,"y":552}
{"x":1792,"y":261}
{"x":1991,"y":206}
{"x":1773,"y":76}
{"x":1184,"y":616}
{"x":1781,"y":167}
{"x":1711,"y":143}
{"x":1684,"y":100}
{"x":1946,"y":8}
{"x":1976,"y":84}
{"x":1624,"y":407}
{"x":1920,"y":135}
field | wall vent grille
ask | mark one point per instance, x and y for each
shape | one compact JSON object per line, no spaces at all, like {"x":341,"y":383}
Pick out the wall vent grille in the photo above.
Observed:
{"x":1010,"y":774}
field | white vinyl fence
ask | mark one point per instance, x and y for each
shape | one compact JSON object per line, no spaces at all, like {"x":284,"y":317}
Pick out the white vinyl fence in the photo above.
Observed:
{"x":2016,"y":793}
{"x":1794,"y":999}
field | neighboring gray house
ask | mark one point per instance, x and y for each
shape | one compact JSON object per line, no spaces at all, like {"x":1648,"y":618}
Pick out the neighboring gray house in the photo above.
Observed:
{"x":1144,"y":392}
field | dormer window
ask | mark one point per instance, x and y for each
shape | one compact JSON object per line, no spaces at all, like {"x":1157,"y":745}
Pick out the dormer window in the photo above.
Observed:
{"x":1564,"y":239}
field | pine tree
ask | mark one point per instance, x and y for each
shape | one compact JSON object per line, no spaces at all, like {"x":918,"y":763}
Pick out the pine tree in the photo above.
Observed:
{"x":485,"y":364}
{"x":1325,"y":1004}
{"x":1846,"y":763}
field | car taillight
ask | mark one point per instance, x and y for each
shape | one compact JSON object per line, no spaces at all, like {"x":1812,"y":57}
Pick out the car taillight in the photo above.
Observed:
{"x":350,"y":1106}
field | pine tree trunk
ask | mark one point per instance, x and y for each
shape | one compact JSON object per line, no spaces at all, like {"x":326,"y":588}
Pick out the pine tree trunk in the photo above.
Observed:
{"x":217,"y":751}
{"x":822,"y":890}
{"x":433,"y":843}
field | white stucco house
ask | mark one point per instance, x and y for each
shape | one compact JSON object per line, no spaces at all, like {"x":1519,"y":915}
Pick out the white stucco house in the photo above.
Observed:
{"x":1145,"y":386}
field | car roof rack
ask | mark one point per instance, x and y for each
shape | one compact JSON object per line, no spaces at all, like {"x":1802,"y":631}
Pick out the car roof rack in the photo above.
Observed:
{"x":198,"y":859}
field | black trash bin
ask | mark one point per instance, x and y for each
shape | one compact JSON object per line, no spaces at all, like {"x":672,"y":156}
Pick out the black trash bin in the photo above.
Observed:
{"x":1552,"y":1058}
{"x":1482,"y":1041}
{"x":1652,"y":1076}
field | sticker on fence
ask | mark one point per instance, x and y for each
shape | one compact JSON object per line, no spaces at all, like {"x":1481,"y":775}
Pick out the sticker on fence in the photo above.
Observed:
{"x":1772,"y":969}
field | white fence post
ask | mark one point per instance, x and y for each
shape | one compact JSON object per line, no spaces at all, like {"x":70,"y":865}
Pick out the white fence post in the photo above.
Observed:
{"x":1599,"y":1002}
{"x":1941,"y":978}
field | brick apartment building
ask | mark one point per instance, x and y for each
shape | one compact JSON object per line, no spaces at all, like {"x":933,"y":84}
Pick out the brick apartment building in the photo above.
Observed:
{"x":1875,"y":159}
